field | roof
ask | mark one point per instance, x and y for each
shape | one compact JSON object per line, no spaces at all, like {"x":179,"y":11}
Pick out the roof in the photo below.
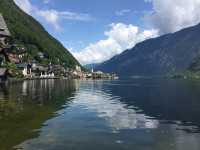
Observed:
{"x":40,"y":67}
{"x":3,"y":27}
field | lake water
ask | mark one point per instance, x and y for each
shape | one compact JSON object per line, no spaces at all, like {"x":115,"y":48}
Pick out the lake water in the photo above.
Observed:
{"x":139,"y":114}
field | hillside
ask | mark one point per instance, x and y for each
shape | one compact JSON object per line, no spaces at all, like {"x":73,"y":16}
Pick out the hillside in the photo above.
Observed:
{"x":27,"y":32}
{"x":170,"y":53}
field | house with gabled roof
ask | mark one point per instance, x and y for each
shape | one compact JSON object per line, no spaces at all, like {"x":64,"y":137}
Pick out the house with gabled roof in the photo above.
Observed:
{"x":4,"y":32}
{"x":5,"y":48}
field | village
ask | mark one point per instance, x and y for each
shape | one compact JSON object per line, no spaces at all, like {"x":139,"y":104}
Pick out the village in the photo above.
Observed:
{"x":15,"y":63}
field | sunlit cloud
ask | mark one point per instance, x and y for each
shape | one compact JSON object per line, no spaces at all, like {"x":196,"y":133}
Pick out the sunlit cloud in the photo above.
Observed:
{"x":119,"y":38}
{"x":172,"y":15}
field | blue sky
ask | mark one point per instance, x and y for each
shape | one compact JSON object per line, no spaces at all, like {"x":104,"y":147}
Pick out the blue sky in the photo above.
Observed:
{"x":96,"y":30}
{"x":102,"y":12}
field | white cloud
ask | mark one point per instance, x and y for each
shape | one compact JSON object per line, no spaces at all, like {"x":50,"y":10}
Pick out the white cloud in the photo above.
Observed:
{"x":25,"y":5}
{"x":167,"y":16}
{"x":172,"y":15}
{"x":119,"y":38}
{"x":51,"y":16}
{"x":46,"y":1}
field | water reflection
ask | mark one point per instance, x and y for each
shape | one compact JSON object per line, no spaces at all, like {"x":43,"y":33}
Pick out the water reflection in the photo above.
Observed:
{"x":116,"y":113}
{"x":169,"y":101}
{"x":110,"y":115}
{"x":25,"y":106}
{"x":3,"y":91}
{"x":122,"y":116}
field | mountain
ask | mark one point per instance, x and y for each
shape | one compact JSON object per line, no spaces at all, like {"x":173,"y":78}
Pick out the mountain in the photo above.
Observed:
{"x":169,"y":53}
{"x":27,"y":32}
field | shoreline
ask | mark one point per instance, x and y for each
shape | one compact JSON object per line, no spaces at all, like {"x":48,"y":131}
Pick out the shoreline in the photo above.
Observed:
{"x":54,"y":78}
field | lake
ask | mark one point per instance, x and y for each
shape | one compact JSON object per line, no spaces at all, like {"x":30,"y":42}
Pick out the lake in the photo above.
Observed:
{"x":136,"y":114}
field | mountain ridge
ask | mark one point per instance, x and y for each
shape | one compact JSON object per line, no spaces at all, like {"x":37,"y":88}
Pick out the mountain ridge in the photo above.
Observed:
{"x":173,"y":52}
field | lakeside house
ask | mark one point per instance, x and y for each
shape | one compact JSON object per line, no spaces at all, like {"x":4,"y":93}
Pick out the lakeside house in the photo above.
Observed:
{"x":32,"y":68}
{"x":5,"y":47}
{"x":42,"y":55}
{"x":77,"y":73}
{"x":16,"y":55}
{"x":102,"y":75}
{"x":97,"y":75}
{"x":37,"y":70}
{"x":4,"y":32}
{"x":4,"y":38}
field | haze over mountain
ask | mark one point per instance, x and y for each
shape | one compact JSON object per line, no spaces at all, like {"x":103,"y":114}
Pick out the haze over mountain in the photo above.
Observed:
{"x":169,"y":53}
